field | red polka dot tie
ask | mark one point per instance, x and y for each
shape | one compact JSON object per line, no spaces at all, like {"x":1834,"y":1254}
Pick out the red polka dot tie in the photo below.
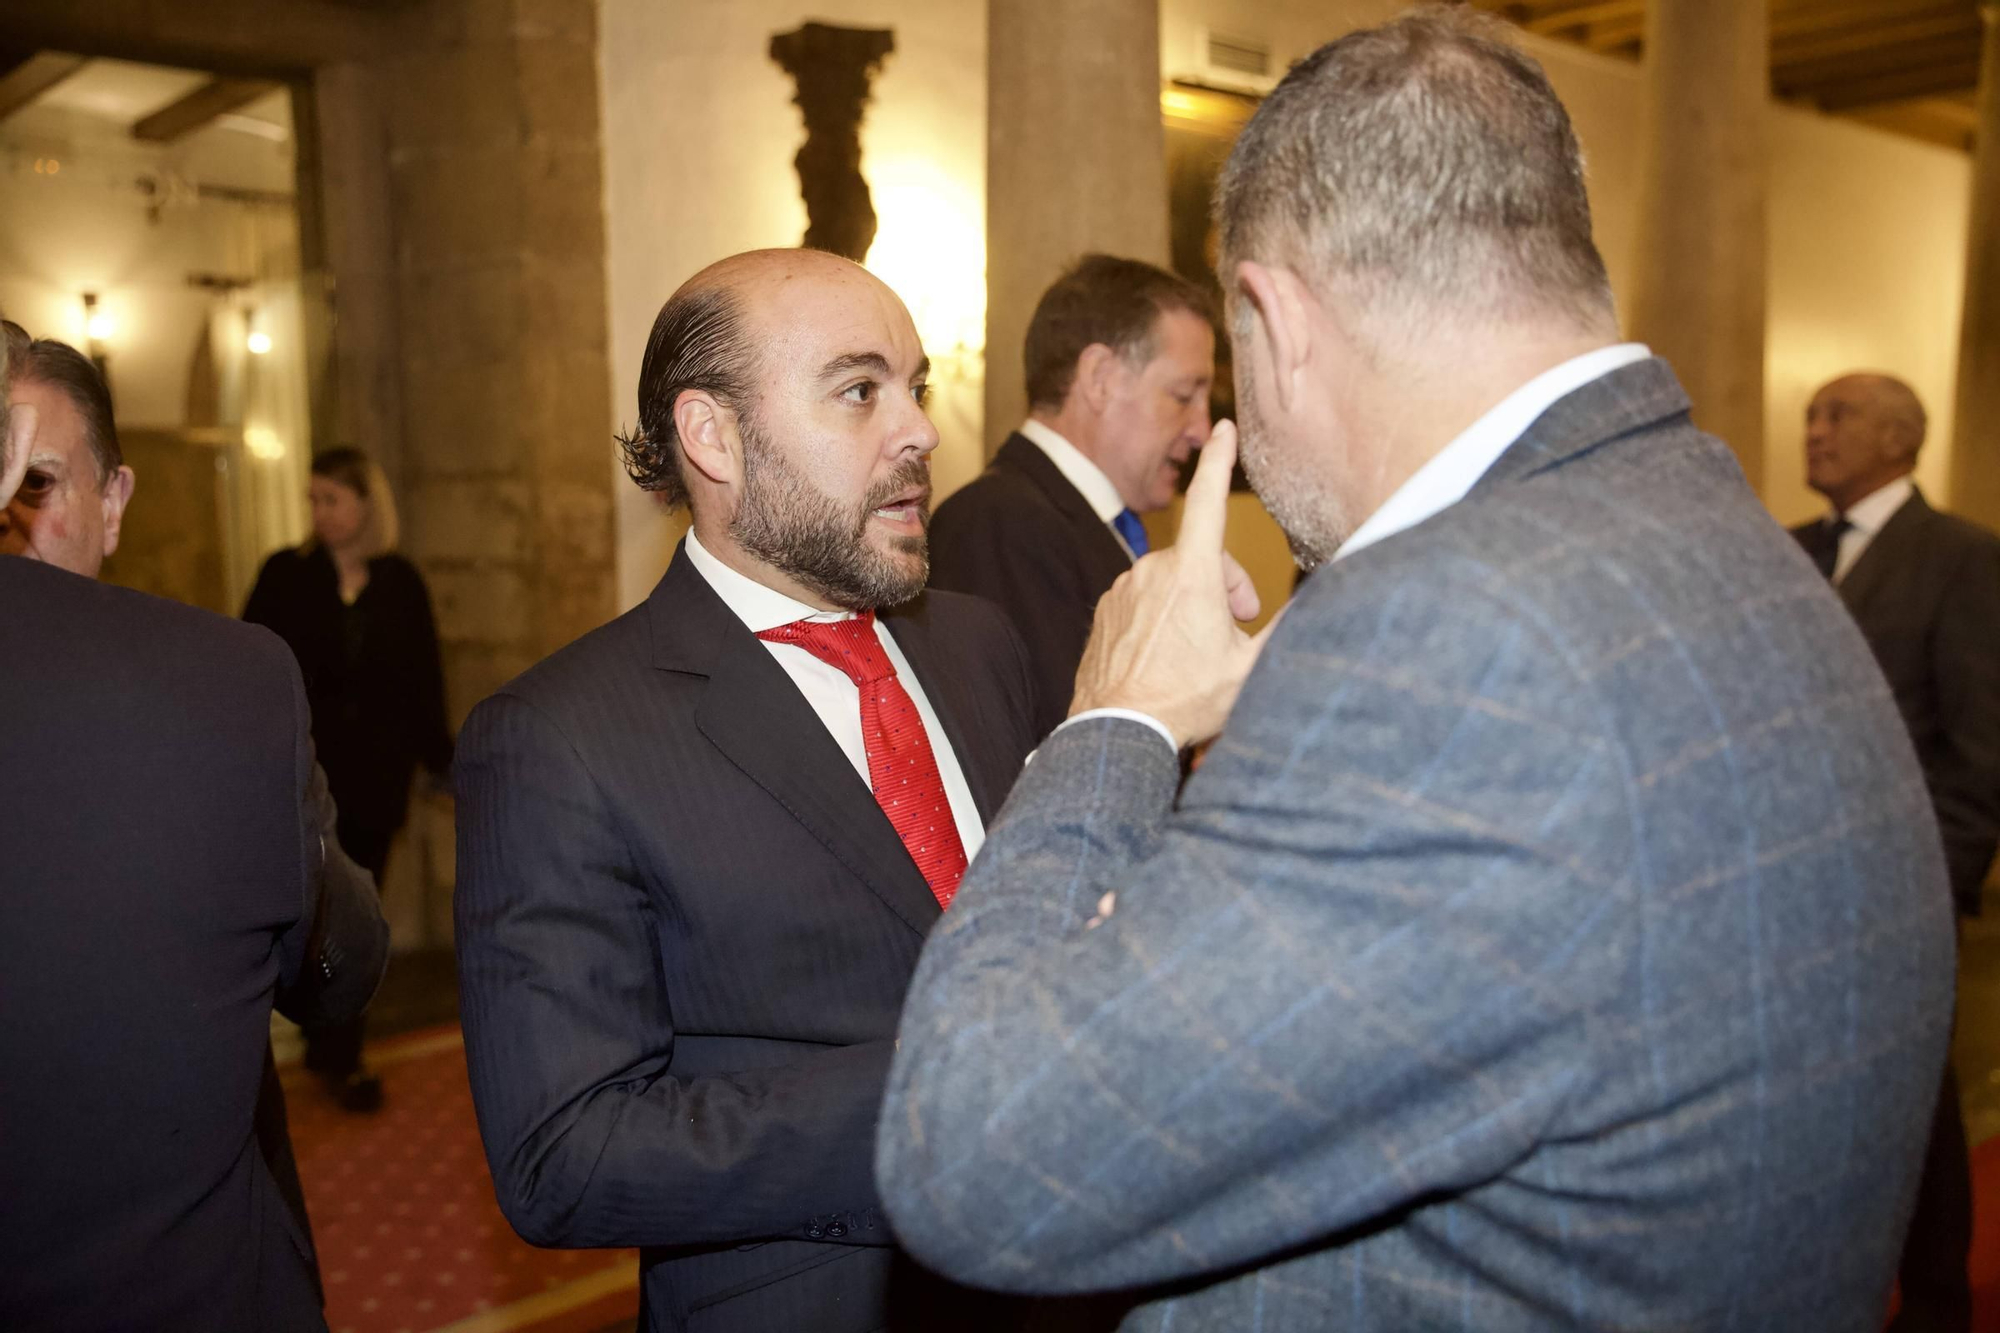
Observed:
{"x":901,"y":768}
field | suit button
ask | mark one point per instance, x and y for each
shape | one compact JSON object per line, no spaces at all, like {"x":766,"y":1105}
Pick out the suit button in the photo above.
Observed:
{"x":815,"y":1232}
{"x":836,"y":1231}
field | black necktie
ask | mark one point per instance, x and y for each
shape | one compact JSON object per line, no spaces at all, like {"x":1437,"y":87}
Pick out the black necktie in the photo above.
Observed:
{"x":1828,"y":553}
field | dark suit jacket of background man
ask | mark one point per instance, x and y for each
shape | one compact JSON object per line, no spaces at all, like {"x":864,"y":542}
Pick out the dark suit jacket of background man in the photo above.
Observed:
{"x":158,"y":861}
{"x":1554,"y":938}
{"x":1926,"y":594}
{"x":1022,"y":537}
{"x":685,"y":928}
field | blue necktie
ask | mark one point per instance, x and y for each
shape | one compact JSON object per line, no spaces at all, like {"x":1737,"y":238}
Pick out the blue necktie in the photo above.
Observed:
{"x":1132,"y":530}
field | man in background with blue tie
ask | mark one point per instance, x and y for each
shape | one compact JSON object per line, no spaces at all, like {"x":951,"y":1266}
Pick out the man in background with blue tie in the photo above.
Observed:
{"x":1120,"y":356}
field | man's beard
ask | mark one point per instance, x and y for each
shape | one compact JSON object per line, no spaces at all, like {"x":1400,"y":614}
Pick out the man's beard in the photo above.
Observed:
{"x":1315,"y":521}
{"x":793,"y":527}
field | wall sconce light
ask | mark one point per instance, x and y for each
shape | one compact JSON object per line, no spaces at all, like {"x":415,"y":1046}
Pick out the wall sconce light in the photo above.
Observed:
{"x":263,"y":443}
{"x":258,"y":341}
{"x":99,"y":324}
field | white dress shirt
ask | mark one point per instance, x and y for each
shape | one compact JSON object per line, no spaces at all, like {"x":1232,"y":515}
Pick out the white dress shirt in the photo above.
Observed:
{"x":1457,"y":468}
{"x":833,"y":696}
{"x":1088,"y":478}
{"x":1867,"y":518}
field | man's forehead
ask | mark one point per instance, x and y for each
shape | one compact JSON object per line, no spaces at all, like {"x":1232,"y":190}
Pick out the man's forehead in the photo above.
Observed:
{"x":810,"y":318}
{"x":59,"y":436}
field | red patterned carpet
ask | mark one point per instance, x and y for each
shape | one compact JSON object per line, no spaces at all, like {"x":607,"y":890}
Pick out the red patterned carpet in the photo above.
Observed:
{"x":1986,"y":1237}
{"x":409,"y":1235}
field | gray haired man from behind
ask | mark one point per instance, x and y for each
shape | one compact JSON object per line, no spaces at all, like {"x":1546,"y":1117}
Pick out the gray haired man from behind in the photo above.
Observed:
{"x":1555,"y":936}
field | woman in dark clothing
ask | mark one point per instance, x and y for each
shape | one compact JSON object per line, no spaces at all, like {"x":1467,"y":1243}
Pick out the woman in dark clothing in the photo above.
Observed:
{"x":358,"y":618}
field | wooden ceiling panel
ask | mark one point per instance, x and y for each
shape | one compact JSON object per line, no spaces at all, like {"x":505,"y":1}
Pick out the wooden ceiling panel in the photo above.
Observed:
{"x":1846,"y":56}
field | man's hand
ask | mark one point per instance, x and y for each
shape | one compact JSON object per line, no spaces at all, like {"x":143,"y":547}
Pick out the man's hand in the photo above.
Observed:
{"x":16,"y":442}
{"x":1166,"y":642}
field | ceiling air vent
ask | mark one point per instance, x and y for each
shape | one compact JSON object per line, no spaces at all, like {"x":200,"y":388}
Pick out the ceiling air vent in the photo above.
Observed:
{"x":1239,"y":56}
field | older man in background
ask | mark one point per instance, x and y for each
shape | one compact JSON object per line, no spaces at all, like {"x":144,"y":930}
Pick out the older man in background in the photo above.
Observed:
{"x":1554,"y":937}
{"x":71,"y":502}
{"x":1924,"y":587}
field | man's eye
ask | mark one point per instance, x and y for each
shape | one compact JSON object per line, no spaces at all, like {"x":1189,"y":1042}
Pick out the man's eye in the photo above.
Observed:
{"x":922,"y":393}
{"x":863,"y":392}
{"x":36,"y":484}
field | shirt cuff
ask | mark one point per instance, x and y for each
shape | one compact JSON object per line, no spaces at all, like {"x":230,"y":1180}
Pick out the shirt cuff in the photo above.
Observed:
{"x":1130,"y":715}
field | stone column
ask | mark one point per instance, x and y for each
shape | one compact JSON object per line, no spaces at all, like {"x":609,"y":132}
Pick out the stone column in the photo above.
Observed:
{"x":1975,"y":454}
{"x":350,"y":275}
{"x":496,"y":180}
{"x":1075,"y":161}
{"x":1698,"y":287}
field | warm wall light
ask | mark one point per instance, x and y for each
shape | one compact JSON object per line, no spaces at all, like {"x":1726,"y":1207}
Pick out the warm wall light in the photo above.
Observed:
{"x":98,"y":323}
{"x":930,"y":247}
{"x":259,"y":342}
{"x":263,"y":443}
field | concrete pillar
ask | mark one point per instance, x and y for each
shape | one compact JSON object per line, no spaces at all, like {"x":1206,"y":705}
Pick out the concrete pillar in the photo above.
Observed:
{"x":496,"y":179}
{"x":1975,"y":454}
{"x":1698,"y":287}
{"x":1075,"y":161}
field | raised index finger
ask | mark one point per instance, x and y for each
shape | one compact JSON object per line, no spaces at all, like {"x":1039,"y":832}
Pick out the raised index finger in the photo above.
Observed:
{"x":1205,"y":512}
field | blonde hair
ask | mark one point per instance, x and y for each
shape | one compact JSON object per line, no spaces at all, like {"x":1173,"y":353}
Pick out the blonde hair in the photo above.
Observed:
{"x":361,"y":474}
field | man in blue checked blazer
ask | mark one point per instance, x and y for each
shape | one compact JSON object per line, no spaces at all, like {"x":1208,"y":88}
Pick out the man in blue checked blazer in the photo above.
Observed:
{"x":1555,"y":936}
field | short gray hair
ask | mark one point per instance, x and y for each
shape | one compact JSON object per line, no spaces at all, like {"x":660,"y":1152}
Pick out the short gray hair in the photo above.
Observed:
{"x":1426,"y":162}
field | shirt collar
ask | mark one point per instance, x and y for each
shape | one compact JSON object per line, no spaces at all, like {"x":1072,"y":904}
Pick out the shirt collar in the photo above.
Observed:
{"x":758,"y":607}
{"x":1444,"y":481}
{"x":1871,"y":511}
{"x":1088,"y":478}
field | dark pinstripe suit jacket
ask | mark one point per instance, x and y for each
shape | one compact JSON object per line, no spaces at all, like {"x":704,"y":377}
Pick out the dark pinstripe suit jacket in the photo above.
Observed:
{"x":684,"y":933}
{"x":1556,"y":938}
{"x":159,"y":858}
{"x":1926,"y":594}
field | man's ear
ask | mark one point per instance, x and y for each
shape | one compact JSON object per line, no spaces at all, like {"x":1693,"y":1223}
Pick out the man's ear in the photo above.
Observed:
{"x":15,"y":442}
{"x":1097,"y":372}
{"x":708,"y":437}
{"x":117,"y":494}
{"x":1281,"y":307}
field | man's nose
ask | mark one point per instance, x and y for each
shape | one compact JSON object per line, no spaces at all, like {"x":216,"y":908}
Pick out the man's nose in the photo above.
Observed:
{"x":919,"y":435}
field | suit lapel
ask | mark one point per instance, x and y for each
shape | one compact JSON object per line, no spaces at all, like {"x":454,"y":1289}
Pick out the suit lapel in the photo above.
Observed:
{"x":953,"y":698}
{"x":1889,"y":550}
{"x":753,"y":713}
{"x":1021,"y":454}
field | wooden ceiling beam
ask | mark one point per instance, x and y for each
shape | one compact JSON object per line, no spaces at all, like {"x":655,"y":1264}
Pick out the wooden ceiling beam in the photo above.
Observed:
{"x":1865,"y":37}
{"x":1583,"y":16}
{"x":1927,"y":81}
{"x":1874,"y":61}
{"x":30,"y":74}
{"x":217,"y":97}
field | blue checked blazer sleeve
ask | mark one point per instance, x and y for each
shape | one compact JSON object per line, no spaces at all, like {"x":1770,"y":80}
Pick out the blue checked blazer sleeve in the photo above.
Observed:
{"x":1358,"y":965}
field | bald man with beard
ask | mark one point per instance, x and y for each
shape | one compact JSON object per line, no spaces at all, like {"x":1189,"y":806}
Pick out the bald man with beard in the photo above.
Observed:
{"x":701,"y":847}
{"x":1924,"y":587}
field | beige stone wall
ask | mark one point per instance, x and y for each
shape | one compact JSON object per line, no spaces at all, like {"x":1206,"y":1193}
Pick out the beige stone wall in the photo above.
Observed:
{"x":496,"y":189}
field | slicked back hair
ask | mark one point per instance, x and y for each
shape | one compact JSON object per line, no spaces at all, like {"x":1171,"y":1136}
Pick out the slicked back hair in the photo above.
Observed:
{"x":1101,"y":299}
{"x":1424,"y":163}
{"x":699,"y":341}
{"x":62,"y":367}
